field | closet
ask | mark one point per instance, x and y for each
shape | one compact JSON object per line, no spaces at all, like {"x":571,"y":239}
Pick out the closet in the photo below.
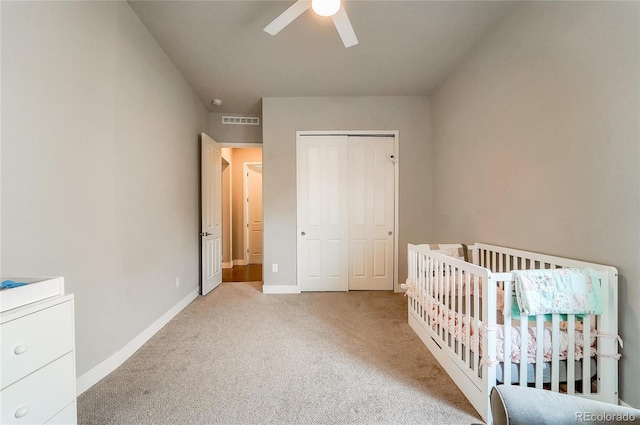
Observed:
{"x":346,"y":211}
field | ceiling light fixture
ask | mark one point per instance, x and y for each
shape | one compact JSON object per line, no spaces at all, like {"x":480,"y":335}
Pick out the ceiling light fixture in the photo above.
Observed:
{"x":339,"y":18}
{"x":325,"y":7}
{"x":217,"y":102}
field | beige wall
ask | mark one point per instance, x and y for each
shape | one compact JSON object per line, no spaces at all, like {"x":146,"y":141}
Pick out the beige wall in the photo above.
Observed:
{"x":233,"y":133}
{"x":282,"y":117}
{"x":536,"y":145}
{"x":99,"y":166}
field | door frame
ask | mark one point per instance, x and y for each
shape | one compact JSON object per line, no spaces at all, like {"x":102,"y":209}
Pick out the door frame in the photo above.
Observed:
{"x":396,"y":176}
{"x":245,"y":194}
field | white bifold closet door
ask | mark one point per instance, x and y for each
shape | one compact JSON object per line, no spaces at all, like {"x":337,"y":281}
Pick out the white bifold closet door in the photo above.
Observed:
{"x":371,"y":213}
{"x":323,"y":254}
{"x":346,"y":204}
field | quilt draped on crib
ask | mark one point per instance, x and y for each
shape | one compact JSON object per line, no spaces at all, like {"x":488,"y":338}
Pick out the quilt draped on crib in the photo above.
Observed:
{"x":564,"y":291}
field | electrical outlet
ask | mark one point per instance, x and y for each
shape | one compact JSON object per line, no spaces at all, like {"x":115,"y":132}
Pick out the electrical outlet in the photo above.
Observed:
{"x":177,"y":281}
{"x":274,"y":267}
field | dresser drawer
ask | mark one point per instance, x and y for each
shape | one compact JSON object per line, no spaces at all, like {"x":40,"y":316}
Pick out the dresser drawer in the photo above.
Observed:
{"x":41,"y":395}
{"x":68,"y":416}
{"x":31,"y":341}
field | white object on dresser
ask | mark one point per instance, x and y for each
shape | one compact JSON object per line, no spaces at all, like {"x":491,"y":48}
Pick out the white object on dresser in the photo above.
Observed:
{"x":37,"y":363}
{"x":36,"y":289}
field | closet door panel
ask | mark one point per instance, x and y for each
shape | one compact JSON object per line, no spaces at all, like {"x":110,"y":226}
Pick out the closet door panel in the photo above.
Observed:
{"x":371,"y":213}
{"x":322,"y":213}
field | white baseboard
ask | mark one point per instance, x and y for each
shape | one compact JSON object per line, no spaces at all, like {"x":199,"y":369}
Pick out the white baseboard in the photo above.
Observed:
{"x":622,"y":403}
{"x":280,"y":289}
{"x":93,"y":376}
{"x":227,"y":265}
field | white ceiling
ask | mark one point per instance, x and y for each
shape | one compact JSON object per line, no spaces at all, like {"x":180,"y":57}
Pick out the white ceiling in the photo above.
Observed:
{"x":406,"y":47}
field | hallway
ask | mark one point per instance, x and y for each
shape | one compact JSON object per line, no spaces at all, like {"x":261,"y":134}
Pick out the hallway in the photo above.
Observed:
{"x":248,"y":273}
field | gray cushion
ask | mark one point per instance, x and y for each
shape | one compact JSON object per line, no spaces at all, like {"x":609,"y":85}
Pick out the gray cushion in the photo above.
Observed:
{"x":515,"y":405}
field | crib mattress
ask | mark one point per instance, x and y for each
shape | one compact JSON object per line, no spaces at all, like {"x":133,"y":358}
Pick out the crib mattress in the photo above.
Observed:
{"x":546,"y":372}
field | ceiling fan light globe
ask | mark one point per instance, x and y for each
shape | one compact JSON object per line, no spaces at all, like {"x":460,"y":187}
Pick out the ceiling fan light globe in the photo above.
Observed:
{"x":325,"y":7}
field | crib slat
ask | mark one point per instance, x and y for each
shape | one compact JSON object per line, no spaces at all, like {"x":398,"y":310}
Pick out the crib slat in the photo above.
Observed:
{"x":571,"y":354}
{"x":425,"y":287}
{"x":445,"y":305}
{"x":467,"y":312}
{"x":586,"y":359}
{"x":459,"y":324}
{"x":419,"y":281}
{"x":555,"y":350}
{"x":424,"y":267}
{"x":524,"y":343}
{"x":476,"y":320}
{"x":439,"y":299}
{"x":442,"y":321}
{"x":424,"y":282}
{"x":506,"y":327}
{"x":433,"y":287}
{"x":415,"y":271}
{"x":539,"y":349}
{"x":449,"y":300}
{"x":451,"y":305}
{"x":445,"y":302}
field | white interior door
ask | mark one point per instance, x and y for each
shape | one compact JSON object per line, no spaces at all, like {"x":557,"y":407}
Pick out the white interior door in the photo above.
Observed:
{"x":211,"y":220}
{"x":322,"y":213}
{"x":371,"y":212}
{"x":254,"y":212}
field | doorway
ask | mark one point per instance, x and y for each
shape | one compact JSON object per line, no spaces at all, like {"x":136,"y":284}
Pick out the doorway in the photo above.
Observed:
{"x":242,"y":213}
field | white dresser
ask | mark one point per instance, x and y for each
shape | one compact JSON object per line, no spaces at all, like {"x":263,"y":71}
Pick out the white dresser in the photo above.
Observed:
{"x":37,"y":363}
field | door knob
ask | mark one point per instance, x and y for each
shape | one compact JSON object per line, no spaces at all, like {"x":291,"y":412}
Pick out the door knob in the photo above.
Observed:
{"x":205,"y":234}
{"x":302,"y":233}
{"x":390,"y":233}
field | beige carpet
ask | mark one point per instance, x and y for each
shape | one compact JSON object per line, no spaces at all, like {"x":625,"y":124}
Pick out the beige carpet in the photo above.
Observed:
{"x":238,"y":356}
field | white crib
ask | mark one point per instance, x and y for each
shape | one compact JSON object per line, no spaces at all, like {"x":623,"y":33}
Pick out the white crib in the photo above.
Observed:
{"x":461,"y":329}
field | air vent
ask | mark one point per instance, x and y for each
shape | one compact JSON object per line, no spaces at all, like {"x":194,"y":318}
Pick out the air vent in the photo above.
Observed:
{"x":241,"y":120}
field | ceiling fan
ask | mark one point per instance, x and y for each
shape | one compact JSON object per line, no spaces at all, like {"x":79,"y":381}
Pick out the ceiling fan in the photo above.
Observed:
{"x":331,"y":8}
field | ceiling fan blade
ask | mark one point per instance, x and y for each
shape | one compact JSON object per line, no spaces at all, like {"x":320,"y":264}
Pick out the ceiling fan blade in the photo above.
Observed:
{"x":295,"y":10}
{"x":343,"y":25}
